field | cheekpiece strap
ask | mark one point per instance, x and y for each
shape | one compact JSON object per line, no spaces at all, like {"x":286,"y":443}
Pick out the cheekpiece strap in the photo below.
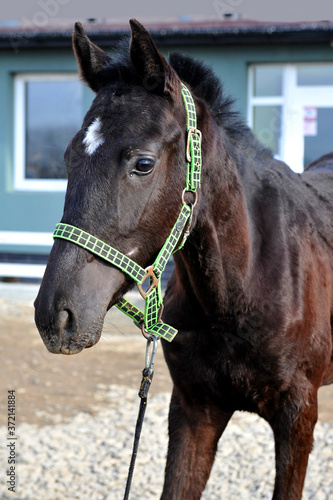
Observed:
{"x":193,"y":147}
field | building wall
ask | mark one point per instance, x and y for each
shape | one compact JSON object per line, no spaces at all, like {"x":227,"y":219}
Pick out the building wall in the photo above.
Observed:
{"x":38,"y":211}
{"x":24,"y":210}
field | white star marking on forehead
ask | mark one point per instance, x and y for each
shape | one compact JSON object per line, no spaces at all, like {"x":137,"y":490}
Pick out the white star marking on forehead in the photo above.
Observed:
{"x":94,"y":137}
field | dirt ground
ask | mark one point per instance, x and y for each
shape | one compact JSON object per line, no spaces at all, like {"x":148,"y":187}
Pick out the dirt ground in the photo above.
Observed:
{"x":51,"y":387}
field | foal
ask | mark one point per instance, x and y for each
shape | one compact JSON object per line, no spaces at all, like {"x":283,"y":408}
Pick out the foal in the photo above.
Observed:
{"x":251,"y":294}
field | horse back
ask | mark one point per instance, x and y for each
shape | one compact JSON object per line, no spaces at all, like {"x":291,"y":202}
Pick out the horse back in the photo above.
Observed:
{"x":323,"y":163}
{"x":318,"y":181}
{"x":298,"y":208}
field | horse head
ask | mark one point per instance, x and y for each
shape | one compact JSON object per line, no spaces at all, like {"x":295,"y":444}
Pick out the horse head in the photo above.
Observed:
{"x":119,"y":165}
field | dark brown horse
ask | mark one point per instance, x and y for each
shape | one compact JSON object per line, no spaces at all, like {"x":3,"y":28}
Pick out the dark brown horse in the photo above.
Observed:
{"x":251,"y":294}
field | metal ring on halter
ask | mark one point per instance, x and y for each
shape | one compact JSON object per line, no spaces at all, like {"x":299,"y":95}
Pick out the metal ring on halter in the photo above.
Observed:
{"x":160,"y":313}
{"x":154,"y":282}
{"x":195,"y":194}
{"x":147,"y":335}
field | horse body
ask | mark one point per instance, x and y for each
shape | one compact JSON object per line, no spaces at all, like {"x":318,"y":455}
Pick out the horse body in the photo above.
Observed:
{"x":266,"y":341}
{"x":257,"y":321}
{"x":251,"y":294}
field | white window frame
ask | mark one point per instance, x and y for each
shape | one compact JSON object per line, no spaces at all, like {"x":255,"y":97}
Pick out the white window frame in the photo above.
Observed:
{"x":292,"y":142}
{"x":20,"y":182}
{"x":278,"y":100}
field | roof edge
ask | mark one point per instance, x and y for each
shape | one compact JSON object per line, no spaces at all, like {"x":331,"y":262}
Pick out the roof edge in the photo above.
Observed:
{"x":189,"y":33}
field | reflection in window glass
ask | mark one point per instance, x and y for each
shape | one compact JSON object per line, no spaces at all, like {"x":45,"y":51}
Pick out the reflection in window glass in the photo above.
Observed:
{"x":268,"y":80}
{"x":267,"y":126}
{"x":318,"y":74}
{"x":53,"y":116}
{"x":319,"y":140}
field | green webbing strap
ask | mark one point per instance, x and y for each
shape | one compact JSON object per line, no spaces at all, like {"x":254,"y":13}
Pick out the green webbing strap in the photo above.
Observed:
{"x":103,"y":250}
{"x":161,"y":329}
{"x":131,"y":311}
{"x":153,"y":299}
{"x":172,"y":240}
{"x":150,"y":319}
{"x":193,"y":150}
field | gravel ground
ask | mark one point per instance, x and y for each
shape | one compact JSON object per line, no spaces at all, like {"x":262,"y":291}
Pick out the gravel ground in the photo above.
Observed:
{"x":87,"y":457}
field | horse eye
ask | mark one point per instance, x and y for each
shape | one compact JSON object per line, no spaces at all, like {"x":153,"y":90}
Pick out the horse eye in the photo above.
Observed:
{"x":144,"y":166}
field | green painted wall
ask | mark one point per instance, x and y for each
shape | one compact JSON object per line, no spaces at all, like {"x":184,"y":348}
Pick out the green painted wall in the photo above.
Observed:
{"x":35,"y":211}
{"x":24,"y":210}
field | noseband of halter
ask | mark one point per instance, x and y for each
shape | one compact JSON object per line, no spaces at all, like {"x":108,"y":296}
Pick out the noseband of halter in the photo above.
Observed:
{"x":150,"y":321}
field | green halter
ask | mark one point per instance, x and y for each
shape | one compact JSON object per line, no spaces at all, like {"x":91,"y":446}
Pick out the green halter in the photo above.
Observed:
{"x":150,"y":320}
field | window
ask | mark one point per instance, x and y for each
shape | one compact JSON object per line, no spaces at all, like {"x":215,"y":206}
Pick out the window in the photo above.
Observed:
{"x":267,"y":126}
{"x":267,"y":80}
{"x":48,"y":112}
{"x":321,"y":74}
{"x":291,"y":110}
{"x":266,"y":104}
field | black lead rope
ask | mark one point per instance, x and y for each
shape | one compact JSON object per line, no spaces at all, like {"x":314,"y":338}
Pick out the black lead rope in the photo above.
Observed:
{"x":147,"y":377}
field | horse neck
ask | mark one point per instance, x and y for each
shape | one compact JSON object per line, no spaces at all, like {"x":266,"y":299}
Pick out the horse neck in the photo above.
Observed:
{"x":215,"y":262}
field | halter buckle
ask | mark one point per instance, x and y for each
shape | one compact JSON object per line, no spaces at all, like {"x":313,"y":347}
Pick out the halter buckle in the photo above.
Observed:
{"x":154,"y":282}
{"x":192,"y":131}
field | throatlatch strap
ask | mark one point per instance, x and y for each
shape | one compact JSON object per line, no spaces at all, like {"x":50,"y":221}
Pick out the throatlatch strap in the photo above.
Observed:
{"x":153,"y":298}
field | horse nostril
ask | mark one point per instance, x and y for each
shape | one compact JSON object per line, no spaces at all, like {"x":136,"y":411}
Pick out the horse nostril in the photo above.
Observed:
{"x":63,"y":320}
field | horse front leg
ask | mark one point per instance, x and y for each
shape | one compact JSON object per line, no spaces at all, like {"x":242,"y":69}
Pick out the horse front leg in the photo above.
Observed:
{"x":194,"y":432}
{"x":293,"y":432}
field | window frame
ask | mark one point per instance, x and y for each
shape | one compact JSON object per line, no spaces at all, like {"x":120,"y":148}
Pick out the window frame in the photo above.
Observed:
{"x":291,"y":141}
{"x":273,"y":100}
{"x":20,"y":182}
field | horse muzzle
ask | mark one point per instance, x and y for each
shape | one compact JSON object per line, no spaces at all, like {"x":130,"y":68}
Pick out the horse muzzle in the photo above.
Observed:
{"x":73,"y":299}
{"x":62,"y":334}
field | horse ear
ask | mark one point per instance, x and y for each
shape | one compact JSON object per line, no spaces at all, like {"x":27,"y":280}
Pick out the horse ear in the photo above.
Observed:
{"x":157,"y":75}
{"x":90,"y":58}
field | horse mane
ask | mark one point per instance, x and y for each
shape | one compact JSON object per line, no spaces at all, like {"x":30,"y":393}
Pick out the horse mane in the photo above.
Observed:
{"x":206,"y":85}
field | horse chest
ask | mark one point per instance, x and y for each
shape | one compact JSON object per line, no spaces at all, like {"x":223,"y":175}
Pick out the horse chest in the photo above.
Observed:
{"x":222,"y":368}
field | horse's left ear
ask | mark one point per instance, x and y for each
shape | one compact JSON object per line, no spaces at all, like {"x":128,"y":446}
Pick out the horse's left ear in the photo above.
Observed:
{"x":90,"y":58}
{"x":157,"y":75}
